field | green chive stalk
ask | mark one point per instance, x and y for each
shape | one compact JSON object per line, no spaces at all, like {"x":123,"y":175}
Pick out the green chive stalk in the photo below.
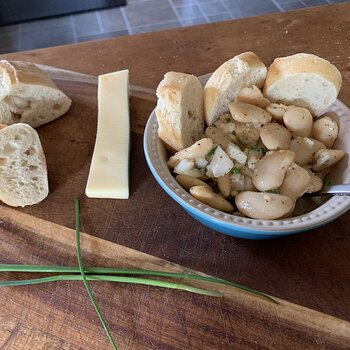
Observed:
{"x":116,"y":271}
{"x":107,"y":274}
{"x":86,"y":284}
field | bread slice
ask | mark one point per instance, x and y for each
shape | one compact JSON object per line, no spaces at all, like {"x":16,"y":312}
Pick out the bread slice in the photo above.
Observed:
{"x":228,"y":80}
{"x":179,"y":110}
{"x":23,"y":172}
{"x":28,"y":96}
{"x":303,"y":80}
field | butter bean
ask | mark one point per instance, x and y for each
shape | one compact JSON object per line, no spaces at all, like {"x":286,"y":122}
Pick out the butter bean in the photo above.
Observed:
{"x":296,"y":182}
{"x":265,"y":206}
{"x":224,"y":185}
{"x":271,"y":169}
{"x":206,"y":196}
{"x":326,"y":158}
{"x":325,"y":130}
{"x":253,"y":96}
{"x":277,"y":111}
{"x":247,"y":133}
{"x":217,"y":136}
{"x":299,"y":121}
{"x":186,"y":182}
{"x":315,"y":183}
{"x":246,"y":113}
{"x":305,"y":148}
{"x":198,"y":150}
{"x":275,"y":136}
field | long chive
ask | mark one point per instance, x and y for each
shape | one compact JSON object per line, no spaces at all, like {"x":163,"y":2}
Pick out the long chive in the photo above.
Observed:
{"x":105,"y":270}
{"x":115,"y":271}
{"x":106,"y":278}
{"x":86,"y":284}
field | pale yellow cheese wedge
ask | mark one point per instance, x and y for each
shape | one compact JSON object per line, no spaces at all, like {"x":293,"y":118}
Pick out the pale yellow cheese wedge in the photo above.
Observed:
{"x":109,"y":170}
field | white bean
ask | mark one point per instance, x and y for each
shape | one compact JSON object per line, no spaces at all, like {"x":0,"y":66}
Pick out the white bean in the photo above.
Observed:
{"x":186,"y":182}
{"x":247,"y":133}
{"x":198,"y":150}
{"x":277,"y":111}
{"x":206,"y":196}
{"x":296,"y":182}
{"x":265,"y":206}
{"x":325,"y":130}
{"x":217,"y":136}
{"x":326,"y":158}
{"x":246,"y":113}
{"x":248,"y":184}
{"x":299,"y":121}
{"x":253,"y":159}
{"x":237,"y":182}
{"x":315,"y":184}
{"x":271,"y":169}
{"x":224,"y":185}
{"x":305,"y":148}
{"x":275,"y":136}
{"x":253,"y":96}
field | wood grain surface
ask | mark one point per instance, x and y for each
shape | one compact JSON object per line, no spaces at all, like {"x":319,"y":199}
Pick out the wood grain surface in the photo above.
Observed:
{"x":59,"y":315}
{"x":310,"y":269}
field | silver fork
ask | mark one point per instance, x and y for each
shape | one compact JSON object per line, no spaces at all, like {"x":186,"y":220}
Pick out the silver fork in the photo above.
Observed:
{"x":335,"y":190}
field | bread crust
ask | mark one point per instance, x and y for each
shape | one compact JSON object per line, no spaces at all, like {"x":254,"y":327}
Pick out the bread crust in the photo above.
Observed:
{"x":27,"y":95}
{"x":175,"y":110}
{"x":243,"y":70}
{"x":254,"y":62}
{"x":302,"y":63}
{"x":26,"y":73}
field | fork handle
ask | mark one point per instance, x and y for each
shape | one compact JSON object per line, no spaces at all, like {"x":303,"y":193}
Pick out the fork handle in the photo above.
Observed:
{"x":339,"y":190}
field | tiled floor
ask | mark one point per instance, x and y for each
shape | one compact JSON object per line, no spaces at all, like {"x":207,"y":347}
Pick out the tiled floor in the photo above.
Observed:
{"x":137,"y":17}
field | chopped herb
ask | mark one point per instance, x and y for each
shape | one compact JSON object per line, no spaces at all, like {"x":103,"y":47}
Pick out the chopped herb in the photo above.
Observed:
{"x":259,"y":149}
{"x":272,"y":191}
{"x":326,"y":181}
{"x":212,"y":151}
{"x":235,"y":170}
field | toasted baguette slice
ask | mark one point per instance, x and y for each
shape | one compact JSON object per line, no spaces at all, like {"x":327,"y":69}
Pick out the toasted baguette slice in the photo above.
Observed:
{"x":23,"y":172}
{"x":228,"y":80}
{"x":28,"y":96}
{"x":303,"y":80}
{"x":179,"y":110}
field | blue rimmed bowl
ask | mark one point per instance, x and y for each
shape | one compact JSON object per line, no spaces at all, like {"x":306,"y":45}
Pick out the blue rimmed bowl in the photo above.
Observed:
{"x":237,"y":226}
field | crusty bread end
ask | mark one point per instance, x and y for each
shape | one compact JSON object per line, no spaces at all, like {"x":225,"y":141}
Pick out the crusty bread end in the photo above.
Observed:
{"x":179,"y":110}
{"x":23,"y":171}
{"x":303,"y":80}
{"x":28,"y":96}
{"x":228,"y":80}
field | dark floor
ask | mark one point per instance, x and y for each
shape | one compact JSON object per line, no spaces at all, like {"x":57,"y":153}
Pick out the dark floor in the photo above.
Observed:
{"x":137,"y":17}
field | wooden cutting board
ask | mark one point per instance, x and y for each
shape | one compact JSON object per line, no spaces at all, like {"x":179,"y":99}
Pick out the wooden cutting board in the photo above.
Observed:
{"x":60,"y":316}
{"x":310,"y":269}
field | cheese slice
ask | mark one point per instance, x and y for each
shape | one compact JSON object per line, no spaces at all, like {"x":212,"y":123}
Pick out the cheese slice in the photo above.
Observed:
{"x":109,"y":170}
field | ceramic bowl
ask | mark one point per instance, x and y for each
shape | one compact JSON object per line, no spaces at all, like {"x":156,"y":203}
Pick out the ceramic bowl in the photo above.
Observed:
{"x":233,"y":225}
